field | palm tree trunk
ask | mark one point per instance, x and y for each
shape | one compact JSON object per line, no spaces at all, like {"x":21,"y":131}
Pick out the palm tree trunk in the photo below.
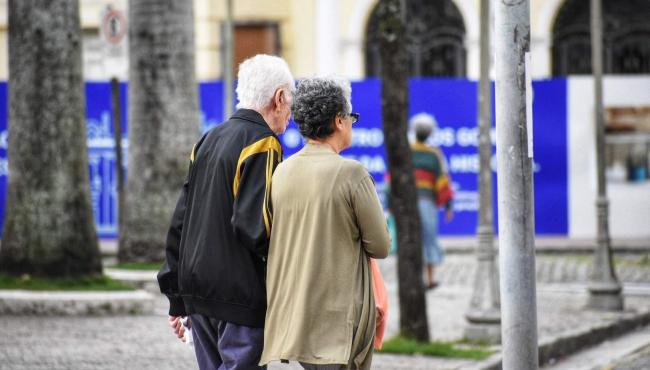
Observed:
{"x":49,"y":228}
{"x":163,"y":122}
{"x":403,"y":196}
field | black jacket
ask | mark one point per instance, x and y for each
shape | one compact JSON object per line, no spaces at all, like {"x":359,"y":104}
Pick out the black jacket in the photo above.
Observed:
{"x":218,"y":238}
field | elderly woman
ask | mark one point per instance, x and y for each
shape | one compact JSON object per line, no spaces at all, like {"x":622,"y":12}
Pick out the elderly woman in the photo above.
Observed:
{"x":327,"y":221}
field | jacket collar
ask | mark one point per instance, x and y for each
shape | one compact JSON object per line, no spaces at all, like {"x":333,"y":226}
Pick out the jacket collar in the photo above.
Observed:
{"x":250,"y":115}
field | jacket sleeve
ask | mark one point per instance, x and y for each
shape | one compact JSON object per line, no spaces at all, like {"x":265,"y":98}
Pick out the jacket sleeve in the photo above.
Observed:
{"x":370,"y":218}
{"x":168,"y":273}
{"x":252,"y":214}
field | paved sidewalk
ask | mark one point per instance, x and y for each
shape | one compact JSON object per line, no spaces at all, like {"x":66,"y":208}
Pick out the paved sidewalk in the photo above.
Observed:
{"x":639,"y":360}
{"x":146,"y":342}
{"x":466,"y":245}
{"x":609,"y":353}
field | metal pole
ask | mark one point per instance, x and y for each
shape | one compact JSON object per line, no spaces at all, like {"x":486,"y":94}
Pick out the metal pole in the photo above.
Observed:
{"x":484,"y":314}
{"x":515,"y":188}
{"x":228,"y":62}
{"x":604,"y":288}
{"x":117,"y":134}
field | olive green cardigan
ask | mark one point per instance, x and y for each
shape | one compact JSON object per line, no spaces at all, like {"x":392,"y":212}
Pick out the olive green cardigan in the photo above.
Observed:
{"x":327,"y":220}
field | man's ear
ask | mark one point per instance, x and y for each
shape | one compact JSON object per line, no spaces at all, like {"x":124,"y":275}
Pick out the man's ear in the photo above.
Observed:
{"x":279,"y":98}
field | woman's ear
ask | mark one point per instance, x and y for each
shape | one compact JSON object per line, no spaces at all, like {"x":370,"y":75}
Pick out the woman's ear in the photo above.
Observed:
{"x":339,"y":122}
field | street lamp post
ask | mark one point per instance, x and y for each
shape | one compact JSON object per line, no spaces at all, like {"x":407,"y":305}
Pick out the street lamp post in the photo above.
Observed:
{"x":484,"y":314}
{"x":228,"y":61}
{"x":604,"y":288}
{"x":515,"y":187}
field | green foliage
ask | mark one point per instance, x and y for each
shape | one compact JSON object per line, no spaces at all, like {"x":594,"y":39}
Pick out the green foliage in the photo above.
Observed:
{"x":479,"y":343}
{"x":405,"y":346}
{"x":148,"y":266}
{"x":84,"y":283}
{"x":634,"y":261}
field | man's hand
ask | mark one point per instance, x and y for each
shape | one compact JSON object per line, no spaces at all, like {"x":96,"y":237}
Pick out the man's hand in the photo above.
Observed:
{"x":177,"y":326}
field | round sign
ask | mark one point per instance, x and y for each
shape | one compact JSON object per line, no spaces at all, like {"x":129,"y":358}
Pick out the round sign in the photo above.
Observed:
{"x":292,"y":138}
{"x":114,"y":26}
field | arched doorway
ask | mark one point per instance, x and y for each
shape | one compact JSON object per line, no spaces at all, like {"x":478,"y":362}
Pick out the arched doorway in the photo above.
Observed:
{"x":435,"y":34}
{"x":626,"y":37}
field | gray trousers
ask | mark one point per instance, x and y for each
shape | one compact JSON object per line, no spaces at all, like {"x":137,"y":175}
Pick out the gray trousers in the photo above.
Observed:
{"x":221,"y":345}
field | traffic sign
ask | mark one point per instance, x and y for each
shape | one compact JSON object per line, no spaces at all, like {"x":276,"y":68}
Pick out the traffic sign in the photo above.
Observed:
{"x":113,"y":26}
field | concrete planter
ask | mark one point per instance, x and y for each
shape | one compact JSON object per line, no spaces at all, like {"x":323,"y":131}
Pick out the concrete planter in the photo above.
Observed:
{"x":74,"y":303}
{"x":139,"y":279}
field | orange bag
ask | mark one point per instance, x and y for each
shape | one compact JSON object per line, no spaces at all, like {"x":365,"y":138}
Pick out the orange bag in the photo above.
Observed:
{"x":381,"y":303}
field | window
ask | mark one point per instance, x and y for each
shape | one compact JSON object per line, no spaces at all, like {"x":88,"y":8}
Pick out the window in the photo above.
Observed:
{"x":626,"y":37}
{"x":435,"y":35}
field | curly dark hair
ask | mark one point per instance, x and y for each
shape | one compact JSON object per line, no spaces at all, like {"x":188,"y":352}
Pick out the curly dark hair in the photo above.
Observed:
{"x":316,"y":103}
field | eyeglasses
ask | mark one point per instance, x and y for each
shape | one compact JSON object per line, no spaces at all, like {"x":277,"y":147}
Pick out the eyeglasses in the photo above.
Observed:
{"x":355,"y":117}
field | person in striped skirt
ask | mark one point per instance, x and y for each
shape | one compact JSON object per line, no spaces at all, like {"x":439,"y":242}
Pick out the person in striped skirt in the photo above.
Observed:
{"x":434,"y":190}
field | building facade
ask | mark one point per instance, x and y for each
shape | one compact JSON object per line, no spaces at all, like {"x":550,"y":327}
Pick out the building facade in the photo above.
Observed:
{"x":340,"y":37}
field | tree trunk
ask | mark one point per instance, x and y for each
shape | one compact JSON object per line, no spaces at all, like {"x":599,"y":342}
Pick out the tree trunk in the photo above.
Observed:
{"x":49,"y":228}
{"x":163,"y":122}
{"x":403,"y":196}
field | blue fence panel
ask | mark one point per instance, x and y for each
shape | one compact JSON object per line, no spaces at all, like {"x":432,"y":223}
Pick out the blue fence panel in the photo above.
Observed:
{"x":451,"y":102}
{"x":551,"y":158}
{"x":101,"y":153}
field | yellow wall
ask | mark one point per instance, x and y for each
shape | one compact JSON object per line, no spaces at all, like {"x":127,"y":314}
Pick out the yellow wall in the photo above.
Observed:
{"x":209,"y":15}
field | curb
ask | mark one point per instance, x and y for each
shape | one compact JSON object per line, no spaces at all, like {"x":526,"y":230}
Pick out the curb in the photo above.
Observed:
{"x":41,"y":303}
{"x":553,"y":245}
{"x":542,"y":250}
{"x":139,"y":279}
{"x":575,"y":341}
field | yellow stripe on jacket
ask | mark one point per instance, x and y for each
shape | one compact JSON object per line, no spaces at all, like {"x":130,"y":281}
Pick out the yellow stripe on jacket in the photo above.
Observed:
{"x":266,"y":144}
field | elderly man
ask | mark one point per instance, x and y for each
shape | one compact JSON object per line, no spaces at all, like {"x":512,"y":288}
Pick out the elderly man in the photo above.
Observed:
{"x":218,"y":239}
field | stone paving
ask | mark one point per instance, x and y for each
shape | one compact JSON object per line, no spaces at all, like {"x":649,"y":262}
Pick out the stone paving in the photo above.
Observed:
{"x":560,"y":306}
{"x":637,"y":361}
{"x":575,"y":268}
{"x":146,"y":341}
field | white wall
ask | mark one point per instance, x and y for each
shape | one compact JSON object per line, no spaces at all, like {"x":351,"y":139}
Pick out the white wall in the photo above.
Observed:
{"x":629,"y":202}
{"x":327,"y":36}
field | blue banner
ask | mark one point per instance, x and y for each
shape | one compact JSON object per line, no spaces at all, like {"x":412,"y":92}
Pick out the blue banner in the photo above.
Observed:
{"x":454,"y":105}
{"x":452,"y":102}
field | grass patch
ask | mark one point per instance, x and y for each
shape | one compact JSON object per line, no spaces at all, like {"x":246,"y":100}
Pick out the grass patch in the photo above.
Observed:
{"x":401,"y":345}
{"x":642,"y":261}
{"x":83,"y":283}
{"x":575,"y":258}
{"x":474,"y":343}
{"x":148,"y":266}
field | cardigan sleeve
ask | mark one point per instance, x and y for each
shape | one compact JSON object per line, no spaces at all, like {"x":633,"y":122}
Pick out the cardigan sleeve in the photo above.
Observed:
{"x":370,"y":219}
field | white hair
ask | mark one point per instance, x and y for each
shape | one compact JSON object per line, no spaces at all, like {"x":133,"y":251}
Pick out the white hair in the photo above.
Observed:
{"x":258,"y":79}
{"x":423,"y":123}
